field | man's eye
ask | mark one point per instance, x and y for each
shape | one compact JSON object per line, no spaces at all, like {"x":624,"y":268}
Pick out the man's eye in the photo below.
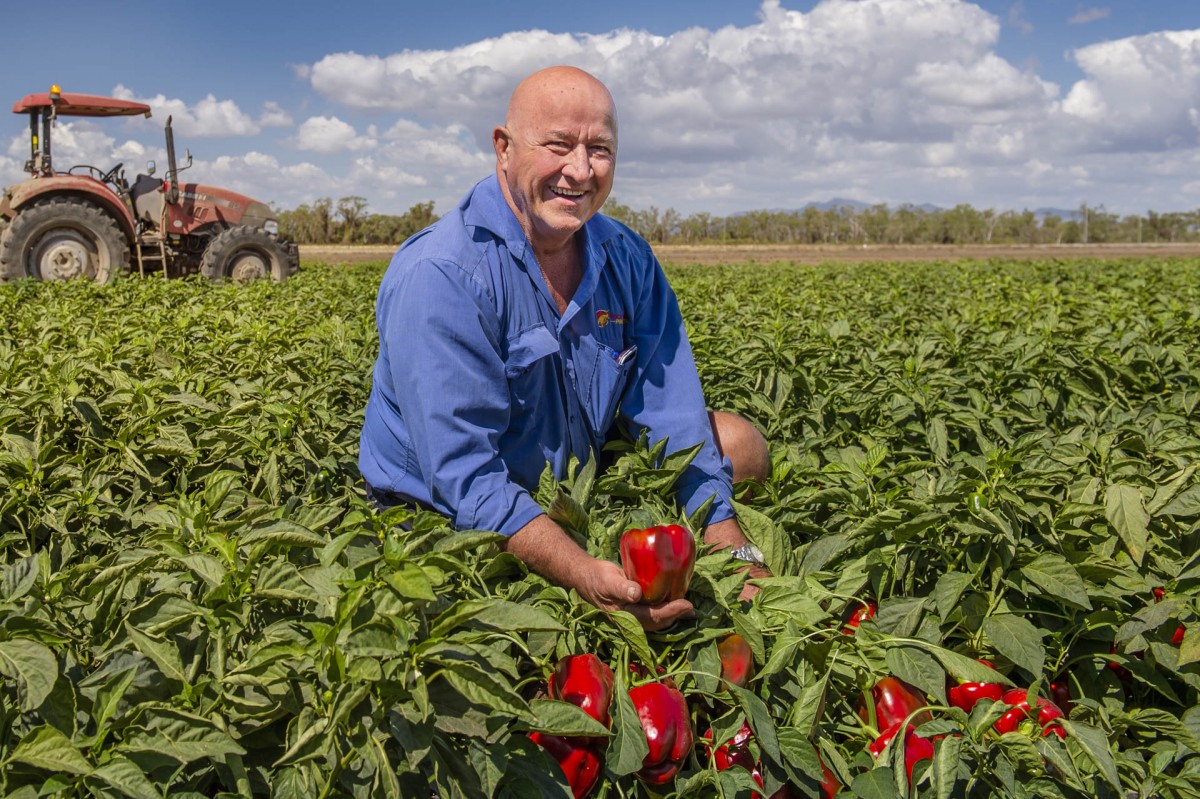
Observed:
{"x":559,"y":147}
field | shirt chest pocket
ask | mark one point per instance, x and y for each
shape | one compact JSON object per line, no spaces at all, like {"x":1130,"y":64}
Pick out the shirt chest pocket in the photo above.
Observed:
{"x":603,"y":374}
{"x":526,"y":349}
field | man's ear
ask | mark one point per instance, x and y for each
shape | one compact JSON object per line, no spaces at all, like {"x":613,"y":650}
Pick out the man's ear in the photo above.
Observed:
{"x":501,"y":141}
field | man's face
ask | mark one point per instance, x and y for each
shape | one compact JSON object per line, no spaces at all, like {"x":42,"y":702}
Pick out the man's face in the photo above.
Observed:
{"x":556,"y":159}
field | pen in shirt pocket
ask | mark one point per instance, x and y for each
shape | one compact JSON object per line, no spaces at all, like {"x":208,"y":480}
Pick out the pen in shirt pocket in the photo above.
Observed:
{"x":625,"y":355}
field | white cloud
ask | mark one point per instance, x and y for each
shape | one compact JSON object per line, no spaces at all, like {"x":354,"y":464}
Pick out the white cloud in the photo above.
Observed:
{"x":1086,"y":15}
{"x":209,"y":117}
{"x":331,"y":135}
{"x":273,"y":116}
{"x":1140,"y":93}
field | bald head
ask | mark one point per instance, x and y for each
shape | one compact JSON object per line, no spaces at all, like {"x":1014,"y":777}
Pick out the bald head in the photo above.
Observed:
{"x":556,"y":153}
{"x":556,"y":87}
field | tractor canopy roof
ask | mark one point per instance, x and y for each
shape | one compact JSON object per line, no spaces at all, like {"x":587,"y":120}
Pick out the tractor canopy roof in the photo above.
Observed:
{"x":81,"y":105}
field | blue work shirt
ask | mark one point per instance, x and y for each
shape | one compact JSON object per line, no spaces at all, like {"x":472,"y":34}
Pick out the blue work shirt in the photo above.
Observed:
{"x":480,"y":381}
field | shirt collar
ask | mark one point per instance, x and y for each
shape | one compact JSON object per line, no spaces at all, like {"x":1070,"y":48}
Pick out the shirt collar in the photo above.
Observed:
{"x":485,"y":207}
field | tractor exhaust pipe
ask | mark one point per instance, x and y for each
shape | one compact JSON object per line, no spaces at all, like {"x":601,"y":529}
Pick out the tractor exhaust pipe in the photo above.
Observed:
{"x":172,"y":171}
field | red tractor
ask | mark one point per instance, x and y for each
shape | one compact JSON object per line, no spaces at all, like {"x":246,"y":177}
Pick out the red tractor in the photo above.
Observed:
{"x":92,"y":223}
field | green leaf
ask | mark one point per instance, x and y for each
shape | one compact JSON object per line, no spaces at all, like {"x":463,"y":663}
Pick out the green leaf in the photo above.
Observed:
{"x":282,"y":533}
{"x":47,"y":748}
{"x":1095,"y":744}
{"x":629,"y":747}
{"x":124,"y":775}
{"x":1058,"y":578}
{"x":1125,"y":513}
{"x":563,"y":718}
{"x":945,"y":765}
{"x":918,"y":667}
{"x":769,"y":537}
{"x":163,"y":652}
{"x":1186,"y":504}
{"x":184,"y":737}
{"x":1018,"y":640}
{"x":32,"y":666}
{"x":633,"y":633}
{"x":760,"y":720}
{"x":949,"y":590}
{"x":878,"y":783}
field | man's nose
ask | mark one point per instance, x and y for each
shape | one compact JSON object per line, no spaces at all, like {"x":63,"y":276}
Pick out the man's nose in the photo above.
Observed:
{"x":577,"y":166}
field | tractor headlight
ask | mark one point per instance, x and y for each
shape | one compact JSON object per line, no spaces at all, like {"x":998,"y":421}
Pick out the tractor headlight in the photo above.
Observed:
{"x":271,"y":226}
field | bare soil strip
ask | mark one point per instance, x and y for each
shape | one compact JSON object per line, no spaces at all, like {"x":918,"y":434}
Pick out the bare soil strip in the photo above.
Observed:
{"x":720,"y":255}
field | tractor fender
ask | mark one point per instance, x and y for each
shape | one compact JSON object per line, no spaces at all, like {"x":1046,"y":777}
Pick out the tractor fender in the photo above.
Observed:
{"x":87,"y":189}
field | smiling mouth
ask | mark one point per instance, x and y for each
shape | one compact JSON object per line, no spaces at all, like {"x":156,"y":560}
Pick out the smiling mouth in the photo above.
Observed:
{"x":570,"y":194}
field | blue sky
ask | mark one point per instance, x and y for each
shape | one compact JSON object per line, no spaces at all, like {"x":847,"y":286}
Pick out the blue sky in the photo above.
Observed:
{"x":725,"y":105}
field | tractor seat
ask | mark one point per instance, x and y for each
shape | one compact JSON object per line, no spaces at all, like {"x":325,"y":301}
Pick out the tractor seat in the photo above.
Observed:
{"x":148,"y":200}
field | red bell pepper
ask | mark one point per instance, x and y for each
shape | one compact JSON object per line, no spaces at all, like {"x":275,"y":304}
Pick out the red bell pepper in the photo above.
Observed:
{"x":894,"y":700}
{"x":577,"y":758}
{"x":668,"y":727}
{"x":735,"y":752}
{"x":916,"y":748}
{"x":966,"y":695}
{"x":864,"y":611}
{"x":585,"y":681}
{"x":660,"y":559}
{"x":1047,"y":712}
{"x":737,"y":661}
{"x":1060,"y":692}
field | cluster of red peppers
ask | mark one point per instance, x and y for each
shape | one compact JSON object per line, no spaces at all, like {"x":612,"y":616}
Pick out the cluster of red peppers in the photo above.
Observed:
{"x":896,"y":701}
{"x":584,"y":681}
{"x":966,"y":695}
{"x":736,"y":752}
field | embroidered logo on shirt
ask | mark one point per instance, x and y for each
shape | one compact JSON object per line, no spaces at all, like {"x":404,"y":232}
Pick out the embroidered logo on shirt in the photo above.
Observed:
{"x":604,"y":317}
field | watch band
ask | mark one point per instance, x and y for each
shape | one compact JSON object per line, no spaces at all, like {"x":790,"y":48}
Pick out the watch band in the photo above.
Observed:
{"x":750,"y":554}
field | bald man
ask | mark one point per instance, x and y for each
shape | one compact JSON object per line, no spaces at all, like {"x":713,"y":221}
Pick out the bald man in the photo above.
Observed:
{"x":523,"y":328}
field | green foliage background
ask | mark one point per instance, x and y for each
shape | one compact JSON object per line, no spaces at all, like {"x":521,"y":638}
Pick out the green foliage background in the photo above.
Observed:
{"x":196,"y":601}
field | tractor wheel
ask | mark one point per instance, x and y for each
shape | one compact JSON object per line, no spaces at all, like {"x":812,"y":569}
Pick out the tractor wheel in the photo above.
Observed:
{"x":246,"y":253}
{"x":60,"y":239}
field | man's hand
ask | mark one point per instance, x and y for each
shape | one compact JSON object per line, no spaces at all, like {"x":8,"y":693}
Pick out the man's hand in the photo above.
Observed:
{"x":607,"y":587}
{"x":546,"y":549}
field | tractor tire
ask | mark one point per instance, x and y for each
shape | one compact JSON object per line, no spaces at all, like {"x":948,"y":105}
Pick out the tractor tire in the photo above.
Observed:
{"x":244,"y":253}
{"x":60,"y":239}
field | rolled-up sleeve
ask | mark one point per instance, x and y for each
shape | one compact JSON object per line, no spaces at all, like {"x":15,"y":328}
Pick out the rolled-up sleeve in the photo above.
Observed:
{"x":443,"y":341}
{"x":665,"y":397}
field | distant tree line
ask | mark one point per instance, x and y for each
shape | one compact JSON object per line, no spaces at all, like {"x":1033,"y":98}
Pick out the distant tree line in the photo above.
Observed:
{"x":347,"y":221}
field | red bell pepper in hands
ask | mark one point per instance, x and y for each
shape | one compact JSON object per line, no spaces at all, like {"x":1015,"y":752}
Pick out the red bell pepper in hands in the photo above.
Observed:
{"x":894,"y":700}
{"x":577,"y":757}
{"x":737,"y":661}
{"x":664,"y":715}
{"x":1047,"y":712}
{"x":966,"y":695}
{"x":916,"y":748}
{"x":660,"y":559}
{"x":585,"y":681}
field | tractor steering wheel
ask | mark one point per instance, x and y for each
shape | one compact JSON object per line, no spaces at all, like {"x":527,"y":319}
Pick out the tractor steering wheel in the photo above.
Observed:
{"x":112,"y":175}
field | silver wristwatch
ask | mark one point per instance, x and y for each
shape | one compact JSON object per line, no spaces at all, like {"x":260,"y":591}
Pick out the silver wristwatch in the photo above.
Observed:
{"x":751,"y":554}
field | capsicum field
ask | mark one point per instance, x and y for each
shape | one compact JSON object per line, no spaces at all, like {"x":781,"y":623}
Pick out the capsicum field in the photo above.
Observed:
{"x":195,"y":599}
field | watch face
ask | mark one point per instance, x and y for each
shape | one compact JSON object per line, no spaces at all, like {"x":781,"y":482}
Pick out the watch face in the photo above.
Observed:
{"x":750,"y":554}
